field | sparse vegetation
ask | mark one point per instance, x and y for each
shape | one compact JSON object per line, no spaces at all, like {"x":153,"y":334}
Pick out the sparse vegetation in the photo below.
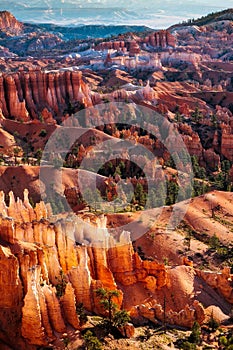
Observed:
{"x":211,"y":17}
{"x":91,"y":342}
{"x":61,"y":284}
{"x":197,"y":103}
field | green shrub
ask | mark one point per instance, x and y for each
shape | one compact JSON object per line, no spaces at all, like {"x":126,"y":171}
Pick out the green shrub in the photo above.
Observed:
{"x":223,"y":340}
{"x":188,"y":346}
{"x":91,"y":342}
{"x":120,"y":318}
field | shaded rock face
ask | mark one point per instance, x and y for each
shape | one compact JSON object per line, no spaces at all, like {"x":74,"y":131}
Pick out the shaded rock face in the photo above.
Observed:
{"x":5,"y":52}
{"x":27,"y":95}
{"x":9,"y":24}
{"x":39,"y":254}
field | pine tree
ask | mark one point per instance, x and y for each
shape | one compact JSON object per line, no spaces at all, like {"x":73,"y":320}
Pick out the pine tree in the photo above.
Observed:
{"x":115,"y":317}
{"x":140,"y":195}
{"x":195,"y":336}
{"x":106,"y":299}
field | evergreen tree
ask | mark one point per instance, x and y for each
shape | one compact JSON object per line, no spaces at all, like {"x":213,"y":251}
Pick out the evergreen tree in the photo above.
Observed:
{"x":117,"y":171}
{"x":140,"y":195}
{"x":172,"y":192}
{"x":106,"y":300}
{"x":197,"y":115}
{"x":38,"y":155}
{"x":16,"y":151}
{"x":115,"y":317}
{"x":195,"y":336}
{"x":213,"y":324}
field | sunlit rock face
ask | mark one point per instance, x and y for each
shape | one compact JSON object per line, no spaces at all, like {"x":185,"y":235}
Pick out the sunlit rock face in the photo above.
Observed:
{"x":40,"y":251}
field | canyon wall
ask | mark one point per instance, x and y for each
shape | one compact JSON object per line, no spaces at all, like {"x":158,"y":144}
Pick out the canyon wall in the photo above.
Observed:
{"x":33,"y":94}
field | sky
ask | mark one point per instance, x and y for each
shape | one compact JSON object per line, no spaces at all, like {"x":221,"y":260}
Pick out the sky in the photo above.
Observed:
{"x":153,"y":13}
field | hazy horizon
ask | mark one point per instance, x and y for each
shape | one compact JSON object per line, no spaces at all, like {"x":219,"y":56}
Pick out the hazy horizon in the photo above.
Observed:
{"x":152,"y":13}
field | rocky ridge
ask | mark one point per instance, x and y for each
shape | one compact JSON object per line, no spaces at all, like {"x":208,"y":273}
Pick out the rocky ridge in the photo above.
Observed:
{"x":9,"y":24}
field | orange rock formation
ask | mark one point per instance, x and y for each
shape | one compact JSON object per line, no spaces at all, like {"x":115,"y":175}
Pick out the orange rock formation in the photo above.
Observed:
{"x":36,"y":247}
